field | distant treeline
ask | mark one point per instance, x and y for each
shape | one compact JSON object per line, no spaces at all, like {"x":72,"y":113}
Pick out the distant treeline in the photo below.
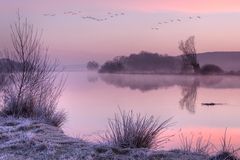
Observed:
{"x":144,"y":62}
{"x":7,"y":65}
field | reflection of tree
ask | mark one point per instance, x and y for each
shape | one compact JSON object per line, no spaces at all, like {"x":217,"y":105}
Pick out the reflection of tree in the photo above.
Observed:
{"x":145,"y":83}
{"x":189,"y":93}
{"x":92,"y":78}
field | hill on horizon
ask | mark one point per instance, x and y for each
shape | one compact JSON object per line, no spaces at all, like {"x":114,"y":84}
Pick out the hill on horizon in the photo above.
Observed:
{"x":228,"y":61}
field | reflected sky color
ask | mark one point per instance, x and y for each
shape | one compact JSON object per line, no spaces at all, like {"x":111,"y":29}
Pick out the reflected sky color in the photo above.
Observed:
{"x":90,"y":102}
{"x":75,"y":40}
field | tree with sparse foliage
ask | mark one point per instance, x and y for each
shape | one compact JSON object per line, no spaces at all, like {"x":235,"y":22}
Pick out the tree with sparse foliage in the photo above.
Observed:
{"x":189,"y":56}
{"x":114,"y":66}
{"x":92,"y":65}
{"x":32,"y":91}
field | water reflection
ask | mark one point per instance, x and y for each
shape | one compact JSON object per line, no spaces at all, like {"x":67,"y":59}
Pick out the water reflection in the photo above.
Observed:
{"x":135,"y":82}
{"x":189,"y":95}
{"x":90,"y":102}
{"x":146,"y":83}
{"x":92,"y":78}
{"x":189,"y":84}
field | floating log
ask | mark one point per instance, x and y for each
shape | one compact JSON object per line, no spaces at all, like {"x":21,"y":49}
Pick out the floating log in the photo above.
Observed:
{"x":211,"y":104}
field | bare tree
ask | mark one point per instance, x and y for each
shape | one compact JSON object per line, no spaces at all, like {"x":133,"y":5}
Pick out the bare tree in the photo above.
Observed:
{"x":189,"y":56}
{"x":32,"y":91}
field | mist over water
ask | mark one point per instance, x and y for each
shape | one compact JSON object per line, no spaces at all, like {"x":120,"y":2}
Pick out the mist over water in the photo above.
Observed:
{"x":90,"y":99}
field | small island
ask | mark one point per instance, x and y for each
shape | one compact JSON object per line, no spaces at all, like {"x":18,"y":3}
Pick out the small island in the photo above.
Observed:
{"x":154,"y":63}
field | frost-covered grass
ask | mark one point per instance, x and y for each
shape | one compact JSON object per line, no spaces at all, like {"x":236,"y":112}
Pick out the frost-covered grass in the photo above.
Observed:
{"x":28,"y":139}
{"x":33,"y":87}
{"x":28,"y":108}
{"x":195,"y":144}
{"x":128,"y":130}
{"x":225,"y":151}
{"x":22,"y":139}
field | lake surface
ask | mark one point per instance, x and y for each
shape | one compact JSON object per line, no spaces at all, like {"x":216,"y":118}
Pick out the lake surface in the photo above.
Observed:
{"x":90,"y":99}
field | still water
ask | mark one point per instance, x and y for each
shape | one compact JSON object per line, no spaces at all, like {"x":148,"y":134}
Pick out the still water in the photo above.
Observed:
{"x":90,"y":99}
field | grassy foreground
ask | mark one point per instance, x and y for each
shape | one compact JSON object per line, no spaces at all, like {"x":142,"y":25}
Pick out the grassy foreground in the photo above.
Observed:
{"x":30,"y":139}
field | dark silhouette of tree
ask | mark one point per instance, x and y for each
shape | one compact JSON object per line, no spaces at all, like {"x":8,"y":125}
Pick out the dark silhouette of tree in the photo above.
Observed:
{"x":143,"y":62}
{"x":189,"y":57}
{"x":33,"y":91}
{"x":189,"y":93}
{"x":211,"y":69}
{"x":114,"y":66}
{"x":92,"y":65}
{"x":111,"y":67}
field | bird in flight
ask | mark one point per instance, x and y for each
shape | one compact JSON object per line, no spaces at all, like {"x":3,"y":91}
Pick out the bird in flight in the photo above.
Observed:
{"x":155,"y":28}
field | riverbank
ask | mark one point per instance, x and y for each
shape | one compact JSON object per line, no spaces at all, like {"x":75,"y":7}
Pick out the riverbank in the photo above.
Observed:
{"x":31,"y":139}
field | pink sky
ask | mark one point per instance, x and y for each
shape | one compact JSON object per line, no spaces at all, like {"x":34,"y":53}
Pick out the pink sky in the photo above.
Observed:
{"x":75,"y":40}
{"x":134,"y":5}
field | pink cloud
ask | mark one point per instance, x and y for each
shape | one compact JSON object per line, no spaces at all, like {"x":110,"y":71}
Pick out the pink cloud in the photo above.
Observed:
{"x":204,"y":6}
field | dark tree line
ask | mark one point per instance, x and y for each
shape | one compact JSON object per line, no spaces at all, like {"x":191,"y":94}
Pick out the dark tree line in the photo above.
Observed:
{"x":146,"y":62}
{"x":142,"y":62}
{"x":92,"y":65}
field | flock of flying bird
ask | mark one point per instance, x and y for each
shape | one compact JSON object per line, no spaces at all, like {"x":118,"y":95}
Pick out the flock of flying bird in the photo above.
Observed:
{"x":74,"y":13}
{"x":175,"y":20}
{"x":110,"y":15}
